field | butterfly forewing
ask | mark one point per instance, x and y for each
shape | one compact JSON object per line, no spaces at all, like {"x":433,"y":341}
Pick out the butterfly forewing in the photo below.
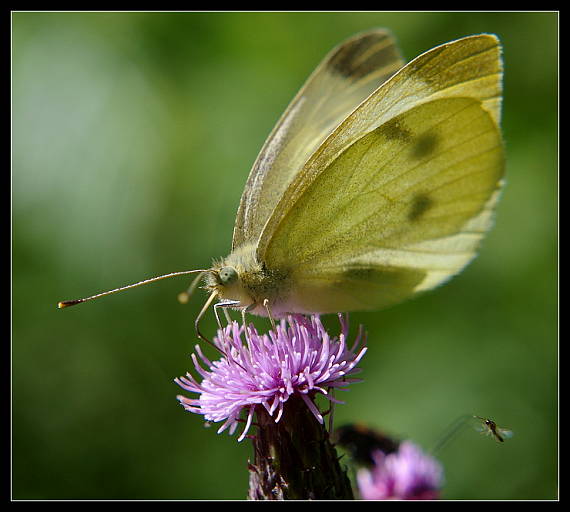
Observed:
{"x":346,"y":76}
{"x":469,"y":67}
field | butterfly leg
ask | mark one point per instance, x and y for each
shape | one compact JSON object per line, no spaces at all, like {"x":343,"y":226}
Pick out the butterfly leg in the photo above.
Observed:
{"x":266,"y":306}
{"x":245,"y":310}
{"x":225,"y":304}
{"x":199,"y":317}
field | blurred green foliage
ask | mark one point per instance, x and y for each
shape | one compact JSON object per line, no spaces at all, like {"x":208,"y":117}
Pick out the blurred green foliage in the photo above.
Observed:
{"x":133,"y":134}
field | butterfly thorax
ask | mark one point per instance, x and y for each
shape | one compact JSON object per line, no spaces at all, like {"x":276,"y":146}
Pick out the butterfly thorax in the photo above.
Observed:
{"x":241,"y":277}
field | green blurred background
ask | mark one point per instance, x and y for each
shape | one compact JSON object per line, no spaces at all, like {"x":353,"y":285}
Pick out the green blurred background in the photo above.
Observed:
{"x":133,"y":134}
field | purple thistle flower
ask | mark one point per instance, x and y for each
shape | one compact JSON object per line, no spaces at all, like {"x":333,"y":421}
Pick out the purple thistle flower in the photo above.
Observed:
{"x":407,"y":474}
{"x":298,"y":357}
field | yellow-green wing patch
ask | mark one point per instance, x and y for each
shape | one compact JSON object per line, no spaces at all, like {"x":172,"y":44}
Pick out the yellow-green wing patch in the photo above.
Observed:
{"x":399,"y":211}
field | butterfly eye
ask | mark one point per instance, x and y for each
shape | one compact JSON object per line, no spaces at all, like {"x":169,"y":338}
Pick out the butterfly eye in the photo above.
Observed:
{"x":227,"y":275}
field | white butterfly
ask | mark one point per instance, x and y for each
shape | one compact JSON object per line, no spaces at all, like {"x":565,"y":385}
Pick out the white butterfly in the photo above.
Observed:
{"x":377,"y":183}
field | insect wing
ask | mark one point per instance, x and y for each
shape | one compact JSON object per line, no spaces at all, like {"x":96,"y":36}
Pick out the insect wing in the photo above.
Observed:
{"x":397,"y":199}
{"x":345,"y":77}
{"x":398,"y":212}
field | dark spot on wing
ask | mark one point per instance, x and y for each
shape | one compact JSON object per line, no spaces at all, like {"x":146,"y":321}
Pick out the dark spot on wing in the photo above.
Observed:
{"x":395,"y":129}
{"x":420,"y":205}
{"x":426,"y":70}
{"x":388,"y":276}
{"x":425,"y":145}
{"x":386,"y":284}
{"x":359,"y":273}
{"x":378,"y":284}
{"x":354,"y":60}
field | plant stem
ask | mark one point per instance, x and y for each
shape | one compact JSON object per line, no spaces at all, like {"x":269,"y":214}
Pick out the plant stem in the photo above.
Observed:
{"x":294,"y":458}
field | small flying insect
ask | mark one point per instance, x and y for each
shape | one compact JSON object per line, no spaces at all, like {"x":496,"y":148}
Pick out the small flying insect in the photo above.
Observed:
{"x":483,"y":425}
{"x":490,"y":428}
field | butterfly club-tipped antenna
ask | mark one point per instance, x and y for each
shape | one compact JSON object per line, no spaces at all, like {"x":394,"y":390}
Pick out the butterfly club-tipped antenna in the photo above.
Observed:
{"x":67,"y":303}
{"x":182,"y":297}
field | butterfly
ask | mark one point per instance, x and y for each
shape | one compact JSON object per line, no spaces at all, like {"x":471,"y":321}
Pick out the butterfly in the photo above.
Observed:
{"x":377,"y":183}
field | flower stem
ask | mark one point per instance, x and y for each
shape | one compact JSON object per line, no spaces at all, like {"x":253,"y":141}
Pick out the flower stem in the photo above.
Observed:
{"x":294,"y":459}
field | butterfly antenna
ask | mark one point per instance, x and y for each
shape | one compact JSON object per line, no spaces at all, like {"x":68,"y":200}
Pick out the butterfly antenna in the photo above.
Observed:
{"x":184,"y":296}
{"x":67,"y":303}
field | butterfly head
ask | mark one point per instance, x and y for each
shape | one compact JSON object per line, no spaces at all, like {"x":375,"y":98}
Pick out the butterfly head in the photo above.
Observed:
{"x":222,"y":278}
{"x":241,"y":277}
{"x":225,"y":278}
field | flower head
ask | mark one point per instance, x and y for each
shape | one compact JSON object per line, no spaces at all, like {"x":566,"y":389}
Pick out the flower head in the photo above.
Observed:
{"x":297,"y":357}
{"x":407,"y":474}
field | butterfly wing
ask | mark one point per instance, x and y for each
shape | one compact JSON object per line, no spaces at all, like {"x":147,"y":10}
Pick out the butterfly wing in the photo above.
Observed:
{"x":398,"y":197}
{"x":469,"y":67}
{"x":346,"y":76}
{"x":398,"y":212}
